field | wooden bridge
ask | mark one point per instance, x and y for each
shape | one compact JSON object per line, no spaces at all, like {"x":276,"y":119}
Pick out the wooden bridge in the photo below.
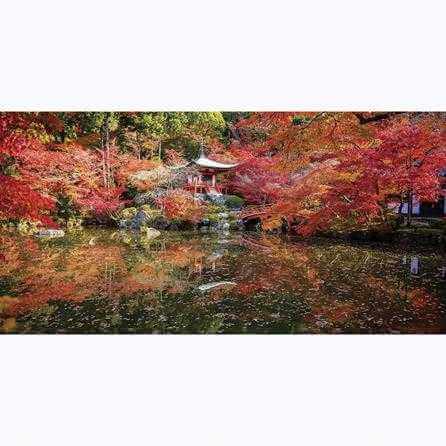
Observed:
{"x":254,"y":211}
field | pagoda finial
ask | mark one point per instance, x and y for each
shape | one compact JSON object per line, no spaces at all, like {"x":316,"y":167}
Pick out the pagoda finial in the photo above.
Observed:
{"x":202,"y":152}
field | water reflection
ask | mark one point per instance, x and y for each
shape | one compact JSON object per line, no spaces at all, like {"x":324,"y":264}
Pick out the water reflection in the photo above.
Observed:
{"x":200,"y":283}
{"x":415,"y":265}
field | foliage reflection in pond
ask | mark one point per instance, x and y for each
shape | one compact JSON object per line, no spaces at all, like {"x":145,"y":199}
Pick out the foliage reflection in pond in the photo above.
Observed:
{"x":99,"y":281}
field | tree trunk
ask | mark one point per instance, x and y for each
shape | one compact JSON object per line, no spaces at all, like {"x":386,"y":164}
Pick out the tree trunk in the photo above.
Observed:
{"x":105,"y":142}
{"x":234,"y":132}
{"x":409,"y":208}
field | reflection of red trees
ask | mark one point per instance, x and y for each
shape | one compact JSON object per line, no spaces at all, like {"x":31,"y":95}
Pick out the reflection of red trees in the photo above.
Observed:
{"x":182,"y":254}
{"x":272,"y":270}
{"x":424,"y":302}
{"x":271,"y":264}
{"x":46,"y":272}
{"x":52,"y":273}
{"x":336,"y":312}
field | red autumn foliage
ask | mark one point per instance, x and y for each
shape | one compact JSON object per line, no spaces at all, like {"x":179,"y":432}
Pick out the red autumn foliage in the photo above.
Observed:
{"x":19,"y":201}
{"x":332,"y":166}
{"x":259,"y":181}
{"x":181,"y":205}
{"x":43,"y":171}
{"x":102,"y":202}
{"x":127,"y":165}
{"x":311,"y":169}
{"x":407,"y":159}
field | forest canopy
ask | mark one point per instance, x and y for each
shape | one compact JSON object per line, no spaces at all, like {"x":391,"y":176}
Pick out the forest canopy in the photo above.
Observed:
{"x":306,"y":171}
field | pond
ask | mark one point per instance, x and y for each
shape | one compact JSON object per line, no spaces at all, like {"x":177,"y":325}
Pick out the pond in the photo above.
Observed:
{"x":105,"y":281}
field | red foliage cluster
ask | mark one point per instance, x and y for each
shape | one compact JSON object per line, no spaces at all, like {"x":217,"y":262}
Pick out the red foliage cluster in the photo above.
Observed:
{"x":19,"y":201}
{"x":259,"y":181}
{"x":318,"y":168}
{"x":406,"y":160}
{"x":102,"y":202}
{"x":45,"y":171}
{"x":127,"y":165}
{"x":180,"y":205}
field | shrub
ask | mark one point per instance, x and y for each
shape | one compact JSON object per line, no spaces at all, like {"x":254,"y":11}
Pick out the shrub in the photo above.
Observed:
{"x":234,"y":201}
{"x":127,"y":213}
{"x":180,"y":205}
{"x":151,"y":212}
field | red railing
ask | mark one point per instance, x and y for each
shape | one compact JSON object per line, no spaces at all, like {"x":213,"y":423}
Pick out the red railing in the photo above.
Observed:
{"x":203,"y":187}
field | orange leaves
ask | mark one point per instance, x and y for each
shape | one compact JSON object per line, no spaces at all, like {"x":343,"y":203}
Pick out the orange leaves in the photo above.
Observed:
{"x":129,"y":165}
{"x":323,"y":170}
{"x":178,"y":204}
{"x":173,"y":158}
{"x":269,"y":223}
{"x":181,"y":255}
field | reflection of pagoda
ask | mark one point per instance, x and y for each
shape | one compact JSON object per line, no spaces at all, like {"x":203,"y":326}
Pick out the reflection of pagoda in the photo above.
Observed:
{"x":205,"y":181}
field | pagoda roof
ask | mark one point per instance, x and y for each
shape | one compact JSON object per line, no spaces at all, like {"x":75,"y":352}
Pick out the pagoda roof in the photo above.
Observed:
{"x":204,"y":161}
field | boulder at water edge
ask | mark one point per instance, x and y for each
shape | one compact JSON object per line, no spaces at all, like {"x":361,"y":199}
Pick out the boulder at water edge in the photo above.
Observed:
{"x":150,"y":233}
{"x":50,"y":233}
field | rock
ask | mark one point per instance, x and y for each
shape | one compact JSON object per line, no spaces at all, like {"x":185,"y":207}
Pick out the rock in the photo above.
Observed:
{"x":128,"y":213}
{"x":158,"y":175}
{"x":201,"y":197}
{"x":161,"y":223}
{"x":223,"y":226}
{"x":216,"y":199}
{"x":140,"y":219}
{"x":151,"y":233}
{"x":50,"y":233}
{"x":143,"y":198}
{"x":237,"y":225}
{"x":210,"y":286}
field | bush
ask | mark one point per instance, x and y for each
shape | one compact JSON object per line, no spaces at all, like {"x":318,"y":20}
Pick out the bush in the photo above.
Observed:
{"x":151,"y":212}
{"x":234,"y":201}
{"x":127,"y":213}
{"x":66,"y":209}
{"x":178,"y":204}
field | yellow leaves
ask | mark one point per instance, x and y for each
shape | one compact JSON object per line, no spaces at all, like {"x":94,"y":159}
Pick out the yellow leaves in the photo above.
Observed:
{"x":6,"y":302}
{"x":8,"y":325}
{"x":270,"y":223}
{"x":348,"y":177}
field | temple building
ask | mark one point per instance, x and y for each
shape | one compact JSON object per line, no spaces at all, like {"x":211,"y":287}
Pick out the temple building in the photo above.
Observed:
{"x":207,"y":179}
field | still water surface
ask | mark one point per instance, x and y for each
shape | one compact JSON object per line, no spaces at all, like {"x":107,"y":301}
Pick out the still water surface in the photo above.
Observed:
{"x":103,"y":281}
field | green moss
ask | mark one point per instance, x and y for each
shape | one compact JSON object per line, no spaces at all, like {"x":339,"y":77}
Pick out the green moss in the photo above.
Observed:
{"x":213,"y":218}
{"x":233,"y":201}
{"x":421,"y":231}
{"x":152,"y":213}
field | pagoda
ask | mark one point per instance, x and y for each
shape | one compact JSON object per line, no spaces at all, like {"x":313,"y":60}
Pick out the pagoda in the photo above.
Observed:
{"x":206,"y":178}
